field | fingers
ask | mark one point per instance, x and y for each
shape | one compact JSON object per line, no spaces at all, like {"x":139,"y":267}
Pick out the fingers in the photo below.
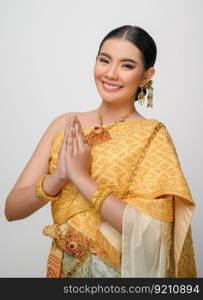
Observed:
{"x":63,"y":145}
{"x":79,"y":133}
{"x":70,"y":136}
{"x":74,"y":137}
{"x":65,"y":132}
{"x":75,"y":140}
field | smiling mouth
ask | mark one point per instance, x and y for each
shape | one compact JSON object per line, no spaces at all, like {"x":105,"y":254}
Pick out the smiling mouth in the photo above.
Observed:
{"x":111,"y":87}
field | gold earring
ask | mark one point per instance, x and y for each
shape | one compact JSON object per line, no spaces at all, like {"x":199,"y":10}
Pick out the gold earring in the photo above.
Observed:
{"x":141,"y":95}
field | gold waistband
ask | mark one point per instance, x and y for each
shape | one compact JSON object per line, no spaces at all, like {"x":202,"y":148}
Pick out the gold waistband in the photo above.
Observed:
{"x":77,"y":244}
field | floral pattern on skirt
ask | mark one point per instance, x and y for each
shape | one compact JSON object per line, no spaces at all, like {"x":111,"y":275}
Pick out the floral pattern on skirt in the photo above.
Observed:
{"x":93,"y":267}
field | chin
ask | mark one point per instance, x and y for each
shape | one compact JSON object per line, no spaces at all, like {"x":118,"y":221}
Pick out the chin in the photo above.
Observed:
{"x":108,"y":98}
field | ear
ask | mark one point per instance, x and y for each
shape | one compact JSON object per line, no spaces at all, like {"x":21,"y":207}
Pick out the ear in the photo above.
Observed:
{"x":148,"y":74}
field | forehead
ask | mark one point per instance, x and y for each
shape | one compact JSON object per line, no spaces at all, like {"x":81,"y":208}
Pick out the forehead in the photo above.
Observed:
{"x":119,"y":48}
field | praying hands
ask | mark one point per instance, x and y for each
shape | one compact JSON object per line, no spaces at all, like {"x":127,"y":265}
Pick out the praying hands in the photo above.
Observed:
{"x":74,"y":159}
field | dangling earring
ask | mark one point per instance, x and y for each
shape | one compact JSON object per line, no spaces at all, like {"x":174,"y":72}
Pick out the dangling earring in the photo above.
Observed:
{"x":141,"y":95}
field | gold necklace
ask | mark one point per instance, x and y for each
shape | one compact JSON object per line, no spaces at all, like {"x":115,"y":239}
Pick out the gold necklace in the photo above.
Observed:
{"x":99,"y":134}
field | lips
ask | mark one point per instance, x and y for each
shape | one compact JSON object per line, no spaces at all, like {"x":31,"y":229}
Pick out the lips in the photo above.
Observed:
{"x":111,"y":84}
{"x":110,"y":89}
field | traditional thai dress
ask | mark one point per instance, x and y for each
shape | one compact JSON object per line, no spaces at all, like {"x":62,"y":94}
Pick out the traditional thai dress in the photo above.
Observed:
{"x":156,"y":239}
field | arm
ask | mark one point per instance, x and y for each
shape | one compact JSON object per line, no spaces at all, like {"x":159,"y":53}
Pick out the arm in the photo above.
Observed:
{"x":22,"y":200}
{"x":112,"y":208}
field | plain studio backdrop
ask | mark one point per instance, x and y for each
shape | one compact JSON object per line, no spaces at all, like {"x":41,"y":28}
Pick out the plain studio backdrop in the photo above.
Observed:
{"x":47,"y":55}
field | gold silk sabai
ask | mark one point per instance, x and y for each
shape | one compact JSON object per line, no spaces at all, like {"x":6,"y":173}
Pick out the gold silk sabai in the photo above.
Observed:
{"x":158,"y":202}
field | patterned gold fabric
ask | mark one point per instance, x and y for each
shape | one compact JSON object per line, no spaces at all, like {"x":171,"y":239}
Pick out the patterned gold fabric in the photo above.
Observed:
{"x":159,"y":177}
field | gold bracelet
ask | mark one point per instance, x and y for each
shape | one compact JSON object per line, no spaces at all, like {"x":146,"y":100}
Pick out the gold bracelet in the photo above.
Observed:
{"x":41,"y":194}
{"x":99,"y":196}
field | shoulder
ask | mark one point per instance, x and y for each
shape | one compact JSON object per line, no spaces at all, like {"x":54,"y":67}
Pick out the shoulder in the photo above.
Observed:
{"x":163,"y":135}
{"x":158,"y":131}
{"x":85,"y":118}
{"x":158,"y":124}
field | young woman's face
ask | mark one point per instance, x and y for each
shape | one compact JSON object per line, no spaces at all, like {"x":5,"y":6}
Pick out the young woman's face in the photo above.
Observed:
{"x":112,"y":68}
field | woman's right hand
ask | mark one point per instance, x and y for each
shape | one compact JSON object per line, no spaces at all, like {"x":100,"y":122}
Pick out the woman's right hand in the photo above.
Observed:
{"x":61,"y":163}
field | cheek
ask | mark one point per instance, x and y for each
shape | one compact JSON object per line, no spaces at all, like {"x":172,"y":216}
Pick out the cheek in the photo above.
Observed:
{"x":132,"y":78}
{"x":98,"y":71}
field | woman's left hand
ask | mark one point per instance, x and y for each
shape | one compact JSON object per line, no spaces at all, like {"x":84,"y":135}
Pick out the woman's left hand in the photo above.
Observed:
{"x":78,"y":155}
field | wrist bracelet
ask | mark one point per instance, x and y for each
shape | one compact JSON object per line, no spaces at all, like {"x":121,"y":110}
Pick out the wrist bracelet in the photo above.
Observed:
{"x":41,"y":194}
{"x":99,"y":196}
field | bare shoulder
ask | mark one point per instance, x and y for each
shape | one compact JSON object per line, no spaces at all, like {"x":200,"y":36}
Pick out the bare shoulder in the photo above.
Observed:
{"x":59,"y":122}
{"x":87,"y":119}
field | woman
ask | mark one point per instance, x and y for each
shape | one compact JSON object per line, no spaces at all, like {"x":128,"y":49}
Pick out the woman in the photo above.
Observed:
{"x":120,"y":203}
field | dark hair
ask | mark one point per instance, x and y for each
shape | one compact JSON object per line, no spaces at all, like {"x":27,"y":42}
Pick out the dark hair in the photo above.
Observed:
{"x":141,"y":39}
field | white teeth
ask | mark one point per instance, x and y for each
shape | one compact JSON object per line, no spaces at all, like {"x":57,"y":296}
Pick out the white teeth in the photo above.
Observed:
{"x":111,"y":86}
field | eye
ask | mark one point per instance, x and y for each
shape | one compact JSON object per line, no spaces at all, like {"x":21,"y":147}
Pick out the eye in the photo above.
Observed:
{"x":129,"y":66}
{"x":103,"y":60}
{"x":106,"y":61}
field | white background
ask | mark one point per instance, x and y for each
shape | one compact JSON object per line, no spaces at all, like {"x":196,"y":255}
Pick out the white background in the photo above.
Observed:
{"x":47,"y":55}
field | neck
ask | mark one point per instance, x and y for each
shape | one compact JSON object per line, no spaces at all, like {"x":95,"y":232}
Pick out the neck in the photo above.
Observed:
{"x":111,"y":113}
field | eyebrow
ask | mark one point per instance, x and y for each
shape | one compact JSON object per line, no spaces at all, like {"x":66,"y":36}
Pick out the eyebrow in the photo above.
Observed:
{"x":123,"y":59}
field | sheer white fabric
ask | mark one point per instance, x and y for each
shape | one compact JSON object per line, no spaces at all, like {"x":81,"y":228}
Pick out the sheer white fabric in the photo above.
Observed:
{"x":143,"y":249}
{"x":112,"y":235}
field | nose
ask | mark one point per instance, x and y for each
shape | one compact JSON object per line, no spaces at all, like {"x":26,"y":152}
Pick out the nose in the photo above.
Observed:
{"x":111,"y":73}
